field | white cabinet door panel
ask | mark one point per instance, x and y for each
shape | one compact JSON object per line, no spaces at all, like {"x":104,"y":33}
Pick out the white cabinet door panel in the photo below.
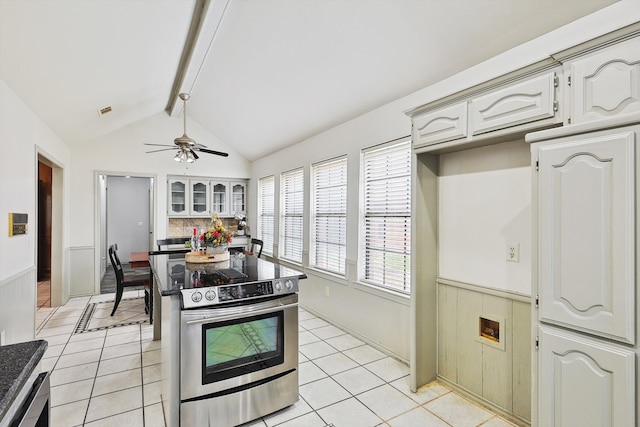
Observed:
{"x":517,"y":104}
{"x":586,"y":233}
{"x":584,"y":382}
{"x":606,"y":83}
{"x":442,"y":125}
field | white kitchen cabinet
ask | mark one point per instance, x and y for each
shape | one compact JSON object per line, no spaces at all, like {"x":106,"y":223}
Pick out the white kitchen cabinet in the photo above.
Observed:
{"x":586,"y":229}
{"x":220,"y":191}
{"x":605,"y":83}
{"x":178,"y":197}
{"x":238,"y":200}
{"x":585,"y":209}
{"x":445,"y":124}
{"x":200,"y":197}
{"x":584,"y":381}
{"x":524,"y":102}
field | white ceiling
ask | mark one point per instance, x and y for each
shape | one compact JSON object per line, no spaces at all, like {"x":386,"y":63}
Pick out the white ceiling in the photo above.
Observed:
{"x":265,"y":74}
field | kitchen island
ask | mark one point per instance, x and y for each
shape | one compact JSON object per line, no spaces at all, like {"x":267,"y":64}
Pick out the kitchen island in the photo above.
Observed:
{"x":229,"y":338}
{"x":21,"y":383}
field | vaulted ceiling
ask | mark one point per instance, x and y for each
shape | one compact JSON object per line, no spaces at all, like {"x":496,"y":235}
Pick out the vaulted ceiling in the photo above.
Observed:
{"x":263,"y":74}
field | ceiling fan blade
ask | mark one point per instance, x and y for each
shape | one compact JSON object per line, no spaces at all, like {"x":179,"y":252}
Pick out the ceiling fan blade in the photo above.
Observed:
{"x":217,"y":153}
{"x":162,"y":149}
{"x":195,"y":156}
{"x":199,"y":146}
{"x":158,"y":145}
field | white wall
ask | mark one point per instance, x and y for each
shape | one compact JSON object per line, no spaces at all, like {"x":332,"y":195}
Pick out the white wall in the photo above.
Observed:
{"x":484,"y":204}
{"x":387,"y":324}
{"x":22,"y":136}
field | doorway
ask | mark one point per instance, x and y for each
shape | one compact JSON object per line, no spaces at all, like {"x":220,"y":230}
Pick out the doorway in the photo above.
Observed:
{"x":126,"y":219}
{"x":48,"y":239}
{"x":45,"y":199}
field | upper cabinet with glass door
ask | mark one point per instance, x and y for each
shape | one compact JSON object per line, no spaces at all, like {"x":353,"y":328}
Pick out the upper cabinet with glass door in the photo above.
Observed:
{"x":200,"y":197}
{"x":238,"y":197}
{"x":178,"y":203}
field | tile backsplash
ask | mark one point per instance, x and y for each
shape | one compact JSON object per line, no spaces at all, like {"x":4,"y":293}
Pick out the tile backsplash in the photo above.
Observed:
{"x":179,"y":227}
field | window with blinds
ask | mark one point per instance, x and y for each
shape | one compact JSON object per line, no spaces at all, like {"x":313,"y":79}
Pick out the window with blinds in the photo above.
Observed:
{"x":386,"y":220}
{"x":291,"y":215}
{"x":266,"y":212}
{"x":327,"y":249}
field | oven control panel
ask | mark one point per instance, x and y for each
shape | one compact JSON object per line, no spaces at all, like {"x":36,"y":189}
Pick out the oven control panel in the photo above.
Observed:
{"x":212,"y":295}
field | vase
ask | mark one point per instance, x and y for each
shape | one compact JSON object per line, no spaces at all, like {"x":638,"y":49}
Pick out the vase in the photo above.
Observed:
{"x":218,"y":253}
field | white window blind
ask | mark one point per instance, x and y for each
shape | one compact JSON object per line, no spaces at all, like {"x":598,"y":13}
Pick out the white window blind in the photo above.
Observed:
{"x":291,"y":220}
{"x":387,"y":216}
{"x":266,"y":212}
{"x":329,"y":216}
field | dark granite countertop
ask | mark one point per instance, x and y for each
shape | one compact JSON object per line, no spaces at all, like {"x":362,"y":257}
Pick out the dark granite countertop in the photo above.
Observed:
{"x":172,"y":273}
{"x":17,"y":362}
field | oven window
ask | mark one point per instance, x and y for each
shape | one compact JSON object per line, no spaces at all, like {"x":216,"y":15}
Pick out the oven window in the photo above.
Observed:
{"x":236,"y":347}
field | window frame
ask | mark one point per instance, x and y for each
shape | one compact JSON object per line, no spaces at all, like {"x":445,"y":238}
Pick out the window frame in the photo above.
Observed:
{"x":337,"y":263}
{"x":374,"y":216}
{"x":268,"y":239}
{"x":291,"y":213}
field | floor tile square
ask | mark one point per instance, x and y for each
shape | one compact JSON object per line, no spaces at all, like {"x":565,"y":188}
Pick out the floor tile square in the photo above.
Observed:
{"x":306,"y":337}
{"x":358,"y":380}
{"x":329,"y":331}
{"x":114,"y":403}
{"x":418,"y":417}
{"x":314,"y":323}
{"x":344,"y":342}
{"x":133,"y":418}
{"x":119,"y":364}
{"x":116,"y":382}
{"x":71,"y":392}
{"x":294,"y":411}
{"x":309,"y":372}
{"x":71,"y":414}
{"x":364,"y":354}
{"x":389,"y":369}
{"x":153,"y":415}
{"x":317,"y":349}
{"x":386,"y":402}
{"x":457,"y":411}
{"x":324,"y":392}
{"x":335,"y":363}
{"x":349,"y":413}
{"x":424,"y":394}
{"x":61,"y":376}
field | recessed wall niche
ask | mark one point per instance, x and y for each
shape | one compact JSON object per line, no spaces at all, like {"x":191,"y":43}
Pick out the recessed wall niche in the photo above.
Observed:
{"x":492,"y":331}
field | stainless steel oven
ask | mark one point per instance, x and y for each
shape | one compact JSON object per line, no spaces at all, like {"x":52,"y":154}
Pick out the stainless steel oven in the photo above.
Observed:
{"x":239,"y":361}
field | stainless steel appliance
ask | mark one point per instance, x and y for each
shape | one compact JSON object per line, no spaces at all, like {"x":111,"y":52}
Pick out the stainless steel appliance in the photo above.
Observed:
{"x":237,"y":325}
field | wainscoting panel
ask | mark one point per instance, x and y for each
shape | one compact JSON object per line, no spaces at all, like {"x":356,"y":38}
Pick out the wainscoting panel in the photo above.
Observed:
{"x":488,"y":360}
{"x":81,"y":270}
{"x":18,"y":307}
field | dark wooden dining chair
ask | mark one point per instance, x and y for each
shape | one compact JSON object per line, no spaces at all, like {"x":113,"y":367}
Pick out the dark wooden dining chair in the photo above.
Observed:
{"x":123,"y":281}
{"x":256,"y":245}
{"x":172,"y":242}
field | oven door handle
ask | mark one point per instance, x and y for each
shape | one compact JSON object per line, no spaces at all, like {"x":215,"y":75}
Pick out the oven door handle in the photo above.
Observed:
{"x":239,"y":315}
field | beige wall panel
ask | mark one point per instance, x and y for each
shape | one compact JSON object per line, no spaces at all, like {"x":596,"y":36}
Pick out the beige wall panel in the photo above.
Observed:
{"x":18,"y":307}
{"x":81,"y":268}
{"x":497,"y":363}
{"x":469,"y":349}
{"x":522,"y":342}
{"x":447,"y":332}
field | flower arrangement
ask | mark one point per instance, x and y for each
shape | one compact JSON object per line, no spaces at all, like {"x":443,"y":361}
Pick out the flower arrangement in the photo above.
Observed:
{"x":242,"y":220}
{"x":216,"y":235}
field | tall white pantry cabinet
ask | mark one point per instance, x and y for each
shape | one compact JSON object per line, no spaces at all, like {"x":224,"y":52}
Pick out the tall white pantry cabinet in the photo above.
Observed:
{"x":586,"y":187}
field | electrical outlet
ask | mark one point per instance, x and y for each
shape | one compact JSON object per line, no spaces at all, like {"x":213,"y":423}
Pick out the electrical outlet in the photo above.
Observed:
{"x":513,"y":252}
{"x":326,"y":291}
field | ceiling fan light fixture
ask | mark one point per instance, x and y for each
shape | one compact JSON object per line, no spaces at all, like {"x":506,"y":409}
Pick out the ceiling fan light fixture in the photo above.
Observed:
{"x":190,"y":158}
{"x":179,"y":156}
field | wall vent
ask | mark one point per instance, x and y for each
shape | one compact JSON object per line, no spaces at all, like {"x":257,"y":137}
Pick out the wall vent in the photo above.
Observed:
{"x":104,"y":110}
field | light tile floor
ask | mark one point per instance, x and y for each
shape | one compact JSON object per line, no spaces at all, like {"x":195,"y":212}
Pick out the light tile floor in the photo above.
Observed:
{"x":112,"y":377}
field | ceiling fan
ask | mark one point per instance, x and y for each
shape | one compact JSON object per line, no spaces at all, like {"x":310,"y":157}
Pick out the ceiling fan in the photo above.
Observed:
{"x":186,"y":146}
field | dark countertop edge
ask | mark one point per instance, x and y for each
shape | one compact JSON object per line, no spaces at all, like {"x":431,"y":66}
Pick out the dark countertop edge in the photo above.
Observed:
{"x":29,"y":355}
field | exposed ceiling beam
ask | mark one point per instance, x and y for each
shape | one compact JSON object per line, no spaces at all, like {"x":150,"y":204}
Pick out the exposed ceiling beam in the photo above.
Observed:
{"x":207,"y":16}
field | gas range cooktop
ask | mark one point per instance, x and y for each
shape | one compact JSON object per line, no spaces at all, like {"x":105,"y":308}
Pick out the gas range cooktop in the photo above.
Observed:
{"x":242,"y":278}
